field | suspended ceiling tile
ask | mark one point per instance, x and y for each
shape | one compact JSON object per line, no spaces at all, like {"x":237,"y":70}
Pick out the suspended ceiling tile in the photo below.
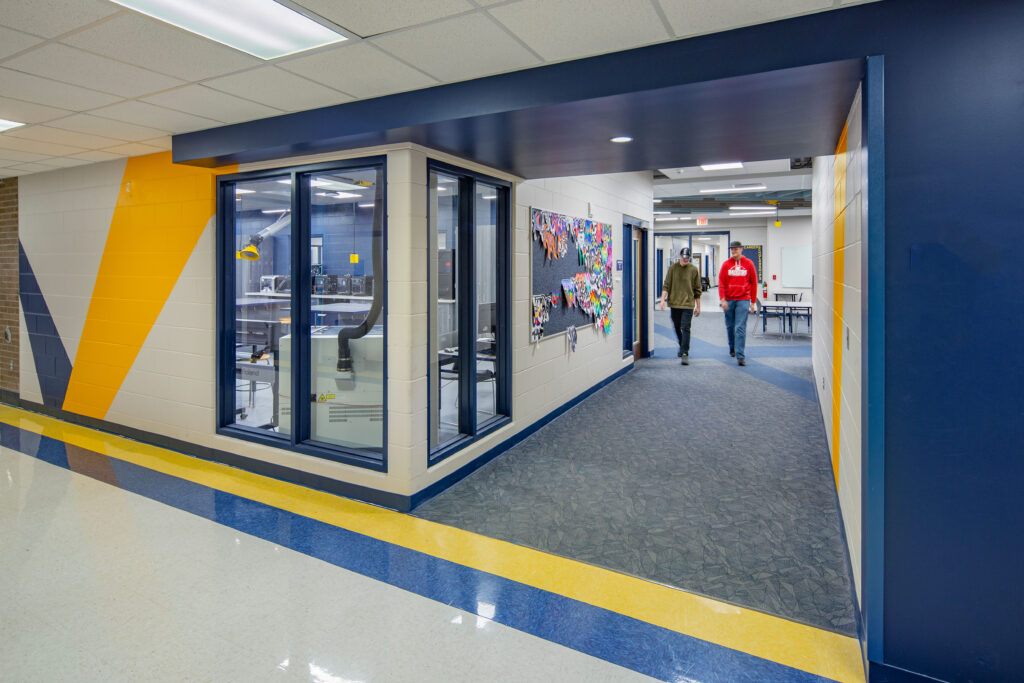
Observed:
{"x":568,"y":30}
{"x":33,"y":168}
{"x":48,"y":149}
{"x":698,"y":17}
{"x":278,"y":88}
{"x":459,"y":49}
{"x":95,"y":155}
{"x":54,"y":93}
{"x":63,"y":63}
{"x":28,"y":112}
{"x":65,"y":162}
{"x":212,"y":104}
{"x":141,"y":113}
{"x":12,"y":41}
{"x":163,"y":142}
{"x":63,"y":137}
{"x":369,"y":18}
{"x":50,"y":18}
{"x":119,"y":130}
{"x":360,"y":70}
{"x":133,"y":149}
{"x":152,"y":44}
{"x":13,"y":156}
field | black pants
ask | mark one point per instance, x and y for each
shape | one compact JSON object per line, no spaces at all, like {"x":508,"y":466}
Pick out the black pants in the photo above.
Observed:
{"x":681,"y":318}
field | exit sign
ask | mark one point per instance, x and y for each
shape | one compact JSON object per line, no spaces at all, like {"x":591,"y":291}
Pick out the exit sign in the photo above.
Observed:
{"x":702,"y":220}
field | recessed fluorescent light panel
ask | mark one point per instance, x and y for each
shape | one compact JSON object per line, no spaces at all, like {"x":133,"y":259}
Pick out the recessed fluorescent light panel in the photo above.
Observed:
{"x":722,"y":167}
{"x":723,"y":190}
{"x":263,"y":28}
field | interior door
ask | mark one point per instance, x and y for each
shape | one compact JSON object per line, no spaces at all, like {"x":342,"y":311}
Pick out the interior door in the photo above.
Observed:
{"x":637,"y":283}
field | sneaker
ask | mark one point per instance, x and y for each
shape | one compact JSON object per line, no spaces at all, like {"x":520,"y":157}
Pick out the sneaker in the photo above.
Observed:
{"x":741,"y":361}
{"x":680,"y":353}
{"x":732,"y":352}
{"x":685,"y":357}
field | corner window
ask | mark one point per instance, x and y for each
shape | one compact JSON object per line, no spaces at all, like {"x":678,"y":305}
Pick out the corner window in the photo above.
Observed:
{"x":302,"y":340}
{"x":469,"y":307}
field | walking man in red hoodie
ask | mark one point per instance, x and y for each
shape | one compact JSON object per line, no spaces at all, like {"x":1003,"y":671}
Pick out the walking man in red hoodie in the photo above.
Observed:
{"x":737,"y":290}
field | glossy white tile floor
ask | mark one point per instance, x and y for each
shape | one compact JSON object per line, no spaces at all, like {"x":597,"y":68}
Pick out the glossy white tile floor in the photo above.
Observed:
{"x":98,"y":584}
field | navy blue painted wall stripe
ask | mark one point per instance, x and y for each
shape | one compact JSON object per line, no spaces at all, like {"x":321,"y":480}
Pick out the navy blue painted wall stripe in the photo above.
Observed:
{"x":652,"y":650}
{"x":53,"y":368}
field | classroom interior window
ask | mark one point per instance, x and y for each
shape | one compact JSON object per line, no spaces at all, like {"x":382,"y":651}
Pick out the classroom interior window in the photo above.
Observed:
{"x":346,"y":334}
{"x":446,"y":362}
{"x":263,"y":286}
{"x":486,"y":266}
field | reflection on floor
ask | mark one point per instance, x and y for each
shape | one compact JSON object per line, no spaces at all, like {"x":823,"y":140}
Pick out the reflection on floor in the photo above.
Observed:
{"x":710,"y":477}
{"x":125,"y":562}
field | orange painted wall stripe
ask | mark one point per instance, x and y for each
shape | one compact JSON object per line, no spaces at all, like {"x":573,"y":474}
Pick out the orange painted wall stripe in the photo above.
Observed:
{"x":162,"y":210}
{"x":838,"y":280}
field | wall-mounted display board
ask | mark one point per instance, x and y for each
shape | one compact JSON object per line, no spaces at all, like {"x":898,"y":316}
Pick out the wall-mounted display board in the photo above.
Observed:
{"x":753,"y":252}
{"x":796,"y":267}
{"x":571,"y":267}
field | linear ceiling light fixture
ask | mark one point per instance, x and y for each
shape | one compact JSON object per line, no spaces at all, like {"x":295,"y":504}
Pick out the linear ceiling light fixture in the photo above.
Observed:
{"x":7,"y":125}
{"x":722,"y":167}
{"x":263,"y":28}
{"x":751,"y":213}
{"x":724,"y":190}
{"x":622,"y":138}
{"x":749,"y":208}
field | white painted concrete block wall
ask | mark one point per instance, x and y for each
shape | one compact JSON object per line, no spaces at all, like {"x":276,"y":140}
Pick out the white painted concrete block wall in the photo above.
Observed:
{"x":849,"y":329}
{"x":546,"y":375}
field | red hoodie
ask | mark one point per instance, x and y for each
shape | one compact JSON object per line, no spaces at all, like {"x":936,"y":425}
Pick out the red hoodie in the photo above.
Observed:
{"x":738,"y":281}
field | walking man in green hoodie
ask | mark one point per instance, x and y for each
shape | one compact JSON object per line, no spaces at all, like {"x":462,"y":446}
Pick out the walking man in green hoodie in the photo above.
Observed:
{"x":682,"y":289}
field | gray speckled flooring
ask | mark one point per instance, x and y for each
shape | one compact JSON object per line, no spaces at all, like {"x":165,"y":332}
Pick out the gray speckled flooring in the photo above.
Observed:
{"x":711,"y":478}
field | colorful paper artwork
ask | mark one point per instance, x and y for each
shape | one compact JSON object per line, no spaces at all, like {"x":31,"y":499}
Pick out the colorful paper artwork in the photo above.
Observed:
{"x":590,"y":290}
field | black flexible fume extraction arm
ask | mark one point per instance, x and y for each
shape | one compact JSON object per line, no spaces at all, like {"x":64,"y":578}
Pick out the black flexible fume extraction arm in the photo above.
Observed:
{"x":345,"y":370}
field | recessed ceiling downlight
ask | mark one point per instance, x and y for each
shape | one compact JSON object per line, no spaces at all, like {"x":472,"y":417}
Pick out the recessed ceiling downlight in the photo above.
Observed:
{"x":263,"y":28}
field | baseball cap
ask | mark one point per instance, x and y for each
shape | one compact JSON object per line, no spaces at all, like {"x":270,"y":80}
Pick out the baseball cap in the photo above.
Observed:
{"x":736,"y":243}
{"x":685,"y":252}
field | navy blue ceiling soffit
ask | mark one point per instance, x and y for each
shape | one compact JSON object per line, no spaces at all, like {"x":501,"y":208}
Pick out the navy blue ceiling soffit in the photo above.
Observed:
{"x":787,"y":113}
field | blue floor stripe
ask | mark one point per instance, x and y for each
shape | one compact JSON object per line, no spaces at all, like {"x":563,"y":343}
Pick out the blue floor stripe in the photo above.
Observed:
{"x":779,"y":378}
{"x":622,"y":640}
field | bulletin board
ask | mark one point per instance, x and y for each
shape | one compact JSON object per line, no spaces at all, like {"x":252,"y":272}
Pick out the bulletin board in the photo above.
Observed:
{"x":753,"y":252}
{"x":571,"y":273}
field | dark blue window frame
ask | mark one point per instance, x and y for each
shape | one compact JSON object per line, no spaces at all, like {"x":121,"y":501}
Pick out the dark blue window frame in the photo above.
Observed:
{"x":299,"y":439}
{"x":468,"y":311}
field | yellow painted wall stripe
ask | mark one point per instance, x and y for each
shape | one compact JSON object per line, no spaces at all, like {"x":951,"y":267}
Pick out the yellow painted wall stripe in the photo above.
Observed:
{"x":838,"y":280}
{"x":162,"y":209}
{"x":802,"y":647}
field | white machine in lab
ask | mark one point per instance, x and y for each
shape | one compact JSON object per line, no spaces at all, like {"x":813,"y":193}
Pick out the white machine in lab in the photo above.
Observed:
{"x":347,"y":408}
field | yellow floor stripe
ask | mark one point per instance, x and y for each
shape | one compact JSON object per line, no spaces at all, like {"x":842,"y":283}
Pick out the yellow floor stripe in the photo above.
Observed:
{"x":796,"y":645}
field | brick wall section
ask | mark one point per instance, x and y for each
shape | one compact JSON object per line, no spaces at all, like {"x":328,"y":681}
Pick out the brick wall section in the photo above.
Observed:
{"x":9,"y":283}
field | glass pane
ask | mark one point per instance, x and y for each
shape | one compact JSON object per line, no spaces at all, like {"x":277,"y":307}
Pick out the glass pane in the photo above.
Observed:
{"x":486,"y":298}
{"x":263,"y":286}
{"x":346,"y":308}
{"x":445,"y":366}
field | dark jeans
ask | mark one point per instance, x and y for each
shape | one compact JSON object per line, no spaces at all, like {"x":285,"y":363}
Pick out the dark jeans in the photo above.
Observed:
{"x":681,"y":318}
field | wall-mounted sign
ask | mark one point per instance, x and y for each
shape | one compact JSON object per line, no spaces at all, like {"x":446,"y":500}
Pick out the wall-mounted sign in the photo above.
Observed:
{"x":618,"y":265}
